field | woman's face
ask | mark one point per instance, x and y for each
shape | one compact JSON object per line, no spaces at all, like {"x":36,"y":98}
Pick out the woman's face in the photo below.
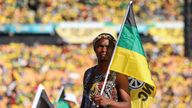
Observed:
{"x":104,"y":49}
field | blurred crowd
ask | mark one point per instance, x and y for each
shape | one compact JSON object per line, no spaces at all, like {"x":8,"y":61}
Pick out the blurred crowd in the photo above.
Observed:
{"x":108,"y":11}
{"x":23,"y":67}
{"x":172,"y":73}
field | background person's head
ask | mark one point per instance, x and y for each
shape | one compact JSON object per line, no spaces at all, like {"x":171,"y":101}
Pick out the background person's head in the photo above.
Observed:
{"x":103,"y":46}
{"x":71,"y":100}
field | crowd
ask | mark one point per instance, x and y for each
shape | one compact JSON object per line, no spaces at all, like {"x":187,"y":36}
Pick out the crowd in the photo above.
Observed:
{"x":22,"y":68}
{"x":172,"y":74}
{"x":107,"y":11}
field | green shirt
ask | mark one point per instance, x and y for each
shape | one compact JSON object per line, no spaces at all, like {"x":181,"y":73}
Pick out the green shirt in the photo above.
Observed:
{"x":62,"y":104}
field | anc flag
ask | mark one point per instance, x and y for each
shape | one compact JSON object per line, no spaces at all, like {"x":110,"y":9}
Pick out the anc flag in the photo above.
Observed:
{"x":129,"y":59}
{"x":60,"y":102}
{"x":41,"y":99}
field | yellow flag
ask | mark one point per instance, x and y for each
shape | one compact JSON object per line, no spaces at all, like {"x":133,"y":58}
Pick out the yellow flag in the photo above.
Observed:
{"x":129,"y":59}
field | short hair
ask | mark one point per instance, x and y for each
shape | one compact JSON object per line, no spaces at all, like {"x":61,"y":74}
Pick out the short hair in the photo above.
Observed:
{"x":104,"y":36}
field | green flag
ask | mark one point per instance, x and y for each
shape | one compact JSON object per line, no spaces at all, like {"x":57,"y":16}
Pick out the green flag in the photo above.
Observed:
{"x":129,"y":59}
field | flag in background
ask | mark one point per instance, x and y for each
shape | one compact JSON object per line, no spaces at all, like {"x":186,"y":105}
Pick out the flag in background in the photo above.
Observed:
{"x":60,"y":102}
{"x":61,"y":94}
{"x":129,"y":59}
{"x":41,"y":99}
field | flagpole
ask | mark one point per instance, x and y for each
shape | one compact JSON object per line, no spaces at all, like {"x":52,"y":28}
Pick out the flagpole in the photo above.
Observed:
{"x":108,"y":69}
{"x":37,"y":96}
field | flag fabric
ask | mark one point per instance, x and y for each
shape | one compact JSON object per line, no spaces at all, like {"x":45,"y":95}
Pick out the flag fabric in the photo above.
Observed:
{"x":61,"y":94}
{"x":60,"y":102}
{"x":129,"y":59}
{"x":41,"y":99}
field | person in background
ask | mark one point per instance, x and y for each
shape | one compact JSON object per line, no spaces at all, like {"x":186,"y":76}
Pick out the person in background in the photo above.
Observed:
{"x":62,"y":104}
{"x":71,"y":100}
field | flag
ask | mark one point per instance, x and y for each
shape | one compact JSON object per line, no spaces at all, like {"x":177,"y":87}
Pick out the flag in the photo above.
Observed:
{"x":61,"y":94}
{"x":60,"y":102}
{"x":41,"y":99}
{"x":129,"y":59}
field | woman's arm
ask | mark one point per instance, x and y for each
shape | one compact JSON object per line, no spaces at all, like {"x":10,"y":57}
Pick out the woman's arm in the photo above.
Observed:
{"x":122,"y":87}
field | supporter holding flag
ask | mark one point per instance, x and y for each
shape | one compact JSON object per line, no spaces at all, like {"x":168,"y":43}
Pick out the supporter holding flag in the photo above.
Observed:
{"x":129,"y":59}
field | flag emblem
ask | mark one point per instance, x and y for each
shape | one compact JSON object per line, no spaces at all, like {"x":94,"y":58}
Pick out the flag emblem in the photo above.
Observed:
{"x":134,"y":83}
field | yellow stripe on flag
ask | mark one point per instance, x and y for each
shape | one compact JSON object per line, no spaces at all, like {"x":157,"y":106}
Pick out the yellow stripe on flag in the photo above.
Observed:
{"x":142,"y":104}
{"x":131,"y":64}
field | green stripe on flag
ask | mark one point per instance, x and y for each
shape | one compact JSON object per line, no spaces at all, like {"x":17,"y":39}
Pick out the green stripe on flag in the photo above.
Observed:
{"x":130,"y":39}
{"x":132,"y":64}
{"x":129,"y":59}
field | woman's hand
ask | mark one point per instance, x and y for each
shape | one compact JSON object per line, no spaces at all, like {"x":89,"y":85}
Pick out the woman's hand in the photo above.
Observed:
{"x":101,"y":100}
